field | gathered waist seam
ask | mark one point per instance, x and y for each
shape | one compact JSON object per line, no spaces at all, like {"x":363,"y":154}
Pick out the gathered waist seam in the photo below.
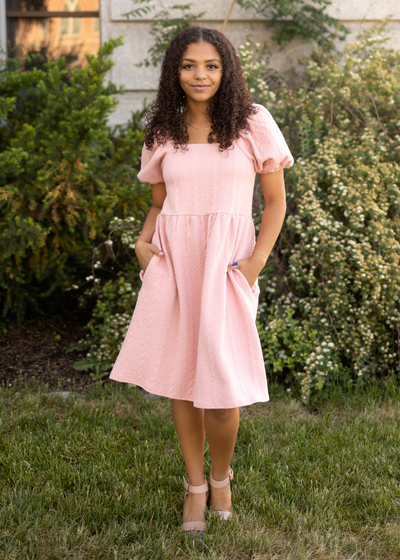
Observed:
{"x":208,"y":214}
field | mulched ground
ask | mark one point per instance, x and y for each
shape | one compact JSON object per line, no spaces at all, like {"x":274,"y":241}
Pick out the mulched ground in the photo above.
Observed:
{"x":37,"y":352}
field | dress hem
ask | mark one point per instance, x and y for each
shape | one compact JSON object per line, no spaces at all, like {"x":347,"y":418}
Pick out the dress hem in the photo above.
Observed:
{"x":213,"y":407}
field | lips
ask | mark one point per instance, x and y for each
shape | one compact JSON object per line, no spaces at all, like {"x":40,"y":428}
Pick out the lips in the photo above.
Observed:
{"x":200,"y":88}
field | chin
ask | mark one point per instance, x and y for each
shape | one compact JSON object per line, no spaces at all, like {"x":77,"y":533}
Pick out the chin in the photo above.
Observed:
{"x":200,"y":96}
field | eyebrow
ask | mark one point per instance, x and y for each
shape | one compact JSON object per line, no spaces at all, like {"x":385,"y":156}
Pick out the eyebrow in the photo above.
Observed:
{"x":191,"y":60}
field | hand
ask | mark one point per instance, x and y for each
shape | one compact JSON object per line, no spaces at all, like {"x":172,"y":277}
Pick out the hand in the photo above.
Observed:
{"x":145,"y":252}
{"x":250,"y":268}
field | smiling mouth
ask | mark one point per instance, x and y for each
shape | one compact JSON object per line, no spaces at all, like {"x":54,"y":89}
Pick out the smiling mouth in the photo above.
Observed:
{"x":200,"y":88}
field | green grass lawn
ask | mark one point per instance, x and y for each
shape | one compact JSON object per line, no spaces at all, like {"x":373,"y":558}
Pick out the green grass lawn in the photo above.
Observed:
{"x":99,"y":476}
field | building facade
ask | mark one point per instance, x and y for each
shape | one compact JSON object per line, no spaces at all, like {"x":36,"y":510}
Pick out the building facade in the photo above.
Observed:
{"x":140,"y":83}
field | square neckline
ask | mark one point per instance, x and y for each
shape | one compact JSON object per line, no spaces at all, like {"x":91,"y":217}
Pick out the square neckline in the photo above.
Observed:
{"x":201,"y":144}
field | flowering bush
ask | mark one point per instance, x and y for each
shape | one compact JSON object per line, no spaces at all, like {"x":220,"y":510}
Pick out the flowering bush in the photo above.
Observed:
{"x":330,"y":302}
{"x":115,"y":297}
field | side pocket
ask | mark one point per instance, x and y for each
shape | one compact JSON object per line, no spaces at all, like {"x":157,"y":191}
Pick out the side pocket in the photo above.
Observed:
{"x":254,"y":289}
{"x":143,"y":272}
{"x":151,"y":264}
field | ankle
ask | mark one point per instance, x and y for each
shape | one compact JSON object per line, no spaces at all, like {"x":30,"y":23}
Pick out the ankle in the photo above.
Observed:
{"x":219,"y":475}
{"x":196,"y":480}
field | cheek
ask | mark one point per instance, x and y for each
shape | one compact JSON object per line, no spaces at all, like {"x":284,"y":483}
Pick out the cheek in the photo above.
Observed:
{"x":183,"y":78}
{"x":217,"y":80}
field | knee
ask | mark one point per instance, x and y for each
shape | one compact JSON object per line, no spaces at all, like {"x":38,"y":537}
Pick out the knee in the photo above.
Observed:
{"x":221,"y":415}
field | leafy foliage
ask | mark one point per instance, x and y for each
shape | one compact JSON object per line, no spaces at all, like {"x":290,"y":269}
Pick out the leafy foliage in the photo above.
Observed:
{"x":166,"y":24}
{"x":330,"y":309}
{"x":296,"y":18}
{"x":63,"y":176}
{"x":115,"y":297}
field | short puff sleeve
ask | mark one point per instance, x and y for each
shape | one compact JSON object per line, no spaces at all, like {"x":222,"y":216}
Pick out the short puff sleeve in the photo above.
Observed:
{"x":151,"y":167}
{"x":265,"y":144}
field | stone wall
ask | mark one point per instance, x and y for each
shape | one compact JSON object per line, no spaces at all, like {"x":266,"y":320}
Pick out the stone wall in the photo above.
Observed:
{"x":141,"y":83}
{"x":3,"y":29}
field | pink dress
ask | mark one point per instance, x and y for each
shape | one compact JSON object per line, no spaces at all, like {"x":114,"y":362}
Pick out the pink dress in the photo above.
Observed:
{"x":193,"y":334}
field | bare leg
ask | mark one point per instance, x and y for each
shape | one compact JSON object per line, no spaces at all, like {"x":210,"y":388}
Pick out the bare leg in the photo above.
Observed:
{"x":221,"y":428}
{"x":189,"y":425}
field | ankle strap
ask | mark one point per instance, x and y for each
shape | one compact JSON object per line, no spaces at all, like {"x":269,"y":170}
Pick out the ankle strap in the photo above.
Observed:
{"x":221,"y":483}
{"x":195,"y":489}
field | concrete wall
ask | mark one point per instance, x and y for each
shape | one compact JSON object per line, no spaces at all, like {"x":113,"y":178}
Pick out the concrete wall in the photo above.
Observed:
{"x":141,"y":83}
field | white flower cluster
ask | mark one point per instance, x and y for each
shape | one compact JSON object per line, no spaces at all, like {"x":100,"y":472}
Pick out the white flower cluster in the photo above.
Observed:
{"x":129,"y":230}
{"x":331,"y":302}
{"x":255,"y":72}
{"x":110,"y":321}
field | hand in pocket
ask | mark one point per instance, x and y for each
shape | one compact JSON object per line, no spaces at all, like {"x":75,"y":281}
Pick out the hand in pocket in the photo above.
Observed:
{"x":145,"y":252}
{"x":250,"y":268}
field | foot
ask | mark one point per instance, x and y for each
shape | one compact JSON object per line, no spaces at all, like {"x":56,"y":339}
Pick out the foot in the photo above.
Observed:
{"x":194,"y":508}
{"x":220,"y":498}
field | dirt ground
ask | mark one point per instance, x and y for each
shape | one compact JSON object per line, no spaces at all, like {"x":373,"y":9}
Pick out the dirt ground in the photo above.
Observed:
{"x":38,"y":352}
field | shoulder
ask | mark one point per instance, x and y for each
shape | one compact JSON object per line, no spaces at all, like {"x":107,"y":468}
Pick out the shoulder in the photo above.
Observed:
{"x":151,"y":164}
{"x":262,"y":127}
{"x":260,"y":119}
{"x":156,"y":149}
{"x":264,"y":143}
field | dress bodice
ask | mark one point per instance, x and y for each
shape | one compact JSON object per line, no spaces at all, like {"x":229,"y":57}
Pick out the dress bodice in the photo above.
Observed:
{"x":201,"y":180}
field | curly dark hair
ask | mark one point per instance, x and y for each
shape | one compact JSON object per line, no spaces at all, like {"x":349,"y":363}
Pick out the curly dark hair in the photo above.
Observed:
{"x":228,"y":108}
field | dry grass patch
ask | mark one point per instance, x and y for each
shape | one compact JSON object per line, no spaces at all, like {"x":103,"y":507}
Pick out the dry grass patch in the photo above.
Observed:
{"x":287,"y":410}
{"x":386,"y":412}
{"x":123,"y":409}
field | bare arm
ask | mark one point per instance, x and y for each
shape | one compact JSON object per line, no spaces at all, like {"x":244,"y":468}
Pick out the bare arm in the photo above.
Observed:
{"x":273,"y":187}
{"x":144,"y":249}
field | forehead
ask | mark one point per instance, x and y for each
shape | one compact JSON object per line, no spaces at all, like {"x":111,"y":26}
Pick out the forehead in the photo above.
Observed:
{"x":201,"y":51}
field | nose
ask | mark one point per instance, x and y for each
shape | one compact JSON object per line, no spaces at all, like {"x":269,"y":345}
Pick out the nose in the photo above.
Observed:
{"x":200,"y":73}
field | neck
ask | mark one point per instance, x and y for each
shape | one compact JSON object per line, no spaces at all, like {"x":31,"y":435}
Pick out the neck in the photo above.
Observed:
{"x":196,"y":113}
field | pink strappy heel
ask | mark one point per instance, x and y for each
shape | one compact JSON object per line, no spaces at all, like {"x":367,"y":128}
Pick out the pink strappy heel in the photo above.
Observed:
{"x":198,"y":526}
{"x":224,"y":515}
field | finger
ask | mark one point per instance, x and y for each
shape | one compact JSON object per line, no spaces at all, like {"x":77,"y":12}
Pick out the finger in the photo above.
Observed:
{"x":233,"y":266}
{"x":156,"y":251}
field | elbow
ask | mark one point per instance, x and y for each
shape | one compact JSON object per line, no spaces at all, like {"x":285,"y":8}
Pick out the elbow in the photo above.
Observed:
{"x":281,"y":204}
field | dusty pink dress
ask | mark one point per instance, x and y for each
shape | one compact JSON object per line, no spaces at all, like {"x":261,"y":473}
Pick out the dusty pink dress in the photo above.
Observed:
{"x":193,"y":335}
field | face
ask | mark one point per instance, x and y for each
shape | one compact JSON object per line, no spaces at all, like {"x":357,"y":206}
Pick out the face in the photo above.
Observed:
{"x":200,"y":71}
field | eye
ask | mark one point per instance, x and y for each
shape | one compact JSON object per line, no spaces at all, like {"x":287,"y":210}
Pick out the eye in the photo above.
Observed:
{"x":213,"y":67}
{"x":187,"y":66}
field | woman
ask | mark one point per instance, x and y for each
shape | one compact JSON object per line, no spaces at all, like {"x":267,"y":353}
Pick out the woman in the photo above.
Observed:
{"x":193,"y":336}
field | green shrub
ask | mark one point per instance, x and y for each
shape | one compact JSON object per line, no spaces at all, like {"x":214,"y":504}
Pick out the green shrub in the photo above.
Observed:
{"x":115,"y":297}
{"x":330,"y":304}
{"x":63,"y":177}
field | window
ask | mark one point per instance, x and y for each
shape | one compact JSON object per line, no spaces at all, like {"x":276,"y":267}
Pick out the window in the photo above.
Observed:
{"x":77,"y":26}
{"x":56,"y":27}
{"x":71,"y":26}
{"x":45,"y":26}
